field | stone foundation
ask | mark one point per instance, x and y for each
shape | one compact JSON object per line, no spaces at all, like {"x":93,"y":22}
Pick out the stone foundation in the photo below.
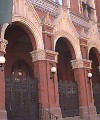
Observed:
{"x":3,"y":115}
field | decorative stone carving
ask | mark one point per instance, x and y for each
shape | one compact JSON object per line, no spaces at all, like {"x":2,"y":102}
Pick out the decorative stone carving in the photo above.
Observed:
{"x":93,"y":33}
{"x":38,"y":55}
{"x":52,"y":56}
{"x":47,"y":6}
{"x":82,"y":63}
{"x":64,"y":23}
{"x":46,"y":20}
{"x":3,"y":44}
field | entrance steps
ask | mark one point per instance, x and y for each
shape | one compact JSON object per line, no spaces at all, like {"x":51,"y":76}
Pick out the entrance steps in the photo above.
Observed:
{"x":70,"y":118}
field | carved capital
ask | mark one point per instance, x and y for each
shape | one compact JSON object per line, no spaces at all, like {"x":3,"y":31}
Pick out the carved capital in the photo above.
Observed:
{"x":48,"y":55}
{"x":3,"y":44}
{"x":82,"y":63}
{"x":38,"y":55}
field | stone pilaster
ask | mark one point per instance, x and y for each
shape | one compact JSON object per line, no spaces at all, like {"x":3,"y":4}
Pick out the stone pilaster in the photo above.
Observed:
{"x":43,"y":60}
{"x":3,"y":114}
{"x":81,"y":69}
{"x":47,"y":32}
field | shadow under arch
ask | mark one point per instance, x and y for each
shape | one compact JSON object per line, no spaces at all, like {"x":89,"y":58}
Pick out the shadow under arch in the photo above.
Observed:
{"x":97,"y":53}
{"x":20,"y":67}
{"x":19,"y":46}
{"x":68,"y":89}
{"x":19,"y":102}
{"x":94,"y":57}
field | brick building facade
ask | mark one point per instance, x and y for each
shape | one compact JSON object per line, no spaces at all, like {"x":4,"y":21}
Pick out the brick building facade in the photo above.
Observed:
{"x":44,"y":34}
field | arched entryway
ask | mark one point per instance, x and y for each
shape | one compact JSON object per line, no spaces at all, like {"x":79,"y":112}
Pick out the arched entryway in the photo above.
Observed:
{"x":93,"y":55}
{"x":68,"y":89}
{"x":21,"y":86}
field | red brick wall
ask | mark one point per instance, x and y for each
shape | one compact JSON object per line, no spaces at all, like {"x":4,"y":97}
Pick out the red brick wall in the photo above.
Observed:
{"x":97,"y":4}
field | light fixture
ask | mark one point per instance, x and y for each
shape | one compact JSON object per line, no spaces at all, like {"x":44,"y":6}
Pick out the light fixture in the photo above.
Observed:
{"x":53,"y":70}
{"x":20,"y":73}
{"x":89,"y":76}
{"x":2,"y":62}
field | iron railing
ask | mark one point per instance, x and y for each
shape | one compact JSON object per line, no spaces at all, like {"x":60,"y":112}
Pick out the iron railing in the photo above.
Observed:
{"x":46,"y":115}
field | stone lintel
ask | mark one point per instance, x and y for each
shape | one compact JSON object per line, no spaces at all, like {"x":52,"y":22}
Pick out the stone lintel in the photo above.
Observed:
{"x":82,"y":63}
{"x":48,"y":55}
{"x":3,"y":44}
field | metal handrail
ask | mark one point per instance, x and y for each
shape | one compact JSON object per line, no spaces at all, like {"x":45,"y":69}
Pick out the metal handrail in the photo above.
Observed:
{"x":46,"y":115}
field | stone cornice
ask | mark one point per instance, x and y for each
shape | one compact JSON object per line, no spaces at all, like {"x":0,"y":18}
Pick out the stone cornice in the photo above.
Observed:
{"x":79,"y":20}
{"x":47,"y":6}
{"x":82,"y":63}
{"x":48,"y":55}
{"x":53,"y":8}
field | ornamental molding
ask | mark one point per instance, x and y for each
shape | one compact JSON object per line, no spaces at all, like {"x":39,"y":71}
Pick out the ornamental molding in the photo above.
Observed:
{"x":26,"y":9}
{"x":46,"y":20}
{"x":79,"y":20}
{"x":3,"y":44}
{"x":80,"y":63}
{"x":39,"y":55}
{"x":53,"y":8}
{"x":46,"y":6}
{"x":64,"y":23}
{"x":93,"y":33}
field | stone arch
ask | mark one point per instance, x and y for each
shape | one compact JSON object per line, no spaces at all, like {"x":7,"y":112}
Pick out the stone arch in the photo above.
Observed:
{"x":31,"y":27}
{"x":73,"y":42}
{"x":96,"y":47}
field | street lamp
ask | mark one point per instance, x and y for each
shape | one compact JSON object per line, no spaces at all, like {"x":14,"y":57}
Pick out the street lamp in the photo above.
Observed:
{"x":53,"y":70}
{"x":2,"y":62}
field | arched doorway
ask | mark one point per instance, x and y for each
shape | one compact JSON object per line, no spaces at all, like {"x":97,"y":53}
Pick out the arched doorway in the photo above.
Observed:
{"x":68,"y":89}
{"x":21,"y":87}
{"x":93,"y":55}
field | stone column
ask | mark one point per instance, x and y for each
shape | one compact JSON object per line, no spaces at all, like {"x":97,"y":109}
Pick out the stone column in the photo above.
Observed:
{"x":43,"y":60}
{"x":81,"y":69}
{"x":3,"y":114}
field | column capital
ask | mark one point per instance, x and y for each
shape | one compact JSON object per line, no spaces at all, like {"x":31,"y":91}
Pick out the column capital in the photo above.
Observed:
{"x":3,"y":44}
{"x":48,"y":55}
{"x":82,"y":63}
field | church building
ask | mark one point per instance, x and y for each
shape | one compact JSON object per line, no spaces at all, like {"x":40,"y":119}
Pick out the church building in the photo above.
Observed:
{"x":50,"y":61}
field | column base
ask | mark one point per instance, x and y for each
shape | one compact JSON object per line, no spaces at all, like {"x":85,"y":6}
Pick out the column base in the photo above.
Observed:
{"x":3,"y":115}
{"x":88,"y":113}
{"x":56,"y":112}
